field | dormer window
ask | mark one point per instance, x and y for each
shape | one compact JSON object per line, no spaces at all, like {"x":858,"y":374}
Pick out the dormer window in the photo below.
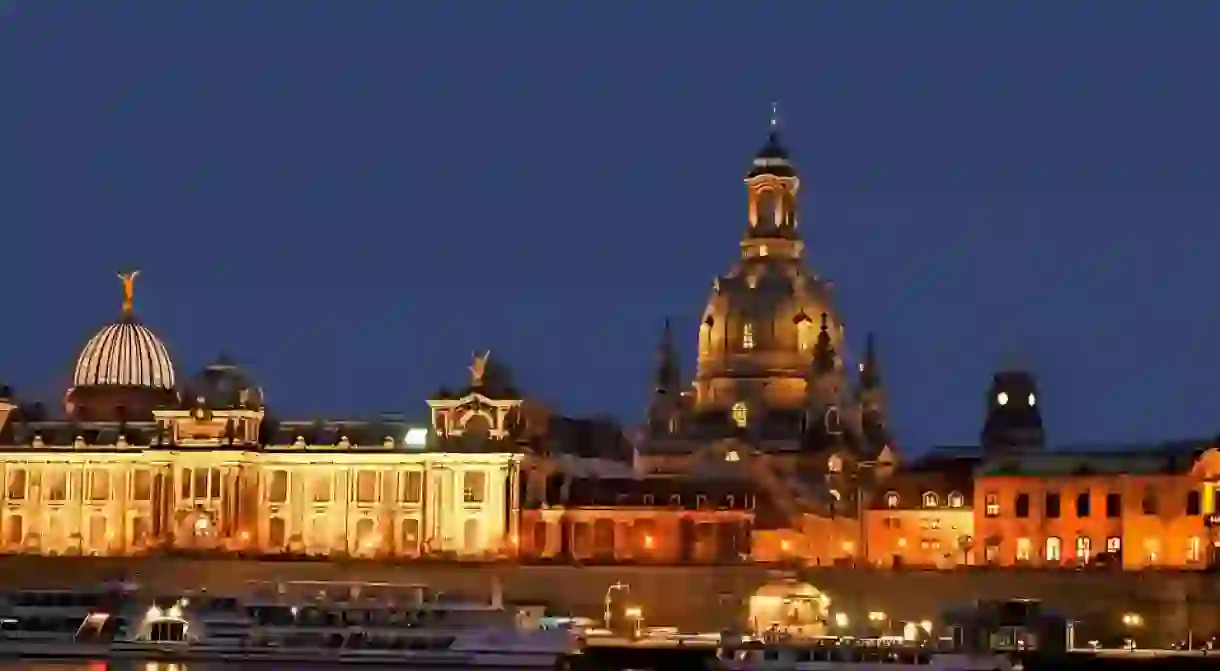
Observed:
{"x":891,"y":499}
{"x":930,"y":500}
{"x":747,"y":336}
{"x":956,"y":500}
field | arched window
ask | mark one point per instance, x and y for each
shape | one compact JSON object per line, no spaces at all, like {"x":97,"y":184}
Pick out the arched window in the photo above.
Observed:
{"x":705,"y":336}
{"x":741,"y":414}
{"x":930,"y":500}
{"x":747,"y":336}
{"x":891,"y":499}
{"x":956,"y":500}
{"x":806,"y":335}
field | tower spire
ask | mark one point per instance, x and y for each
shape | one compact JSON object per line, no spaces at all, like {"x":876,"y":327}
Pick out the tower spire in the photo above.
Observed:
{"x":870,"y":367}
{"x":667,"y":363}
{"x":823,"y":351}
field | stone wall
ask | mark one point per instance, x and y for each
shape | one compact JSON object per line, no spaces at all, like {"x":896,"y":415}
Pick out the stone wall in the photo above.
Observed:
{"x":700,"y":598}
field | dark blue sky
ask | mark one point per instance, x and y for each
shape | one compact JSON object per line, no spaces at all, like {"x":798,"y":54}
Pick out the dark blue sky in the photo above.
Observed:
{"x":350,"y":197}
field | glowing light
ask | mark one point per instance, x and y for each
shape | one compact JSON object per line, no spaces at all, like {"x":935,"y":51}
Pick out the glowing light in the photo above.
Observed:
{"x":202,"y":524}
{"x":416,"y":437}
{"x":784,"y":545}
{"x":648,"y":542}
{"x":634,"y":612}
{"x":1133,"y":619}
{"x":848,"y":546}
{"x":926,"y":625}
{"x":1002,"y":398}
{"x":1032,"y":400}
{"x":841,"y":620}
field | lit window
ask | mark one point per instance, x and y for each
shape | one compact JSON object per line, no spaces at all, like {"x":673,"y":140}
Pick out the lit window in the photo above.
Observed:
{"x":930,"y":500}
{"x":834,"y":464}
{"x":1114,"y":544}
{"x":1022,"y":549}
{"x":993,"y":505}
{"x":1084,"y":547}
{"x":956,"y":500}
{"x":1193,"y":550}
{"x":806,"y":335}
{"x":1032,"y":400}
{"x":891,"y":500}
{"x":762,"y":250}
{"x":741,"y":416}
{"x":1054,"y":549}
{"x":732,"y":456}
{"x":747,"y":337}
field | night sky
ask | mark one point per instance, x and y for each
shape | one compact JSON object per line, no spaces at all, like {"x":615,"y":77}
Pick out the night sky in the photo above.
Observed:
{"x":351,"y":197}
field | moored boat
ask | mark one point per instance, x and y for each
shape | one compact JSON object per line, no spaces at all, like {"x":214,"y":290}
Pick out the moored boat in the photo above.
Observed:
{"x":364,"y":623}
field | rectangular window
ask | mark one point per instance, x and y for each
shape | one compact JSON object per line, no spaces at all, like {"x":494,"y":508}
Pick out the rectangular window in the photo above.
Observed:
{"x":366,"y":487}
{"x":15,"y":532}
{"x":214,"y":480}
{"x":1192,"y":502}
{"x":99,"y":485}
{"x":1194,"y":549}
{"x":1052,"y":505}
{"x":1083,"y":504}
{"x":1022,"y":549}
{"x":1114,"y":544}
{"x":141,"y":485}
{"x":321,"y":487}
{"x":1020,"y":507}
{"x":410,"y":536}
{"x":474,"y":486}
{"x":411,"y":487}
{"x":1148,"y":502}
{"x":201,"y":483}
{"x":97,"y":531}
{"x":184,"y":484}
{"x":277,"y":488}
{"x":1084,"y":548}
{"x":16,"y":484}
{"x":1114,"y":505}
{"x":1054,"y":549}
{"x":57,"y":485}
{"x":992,"y":505}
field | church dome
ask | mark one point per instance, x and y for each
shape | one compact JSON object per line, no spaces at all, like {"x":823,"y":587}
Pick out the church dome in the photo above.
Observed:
{"x":223,"y":384}
{"x":123,"y":372}
{"x":762,"y":320}
{"x":124,"y":354}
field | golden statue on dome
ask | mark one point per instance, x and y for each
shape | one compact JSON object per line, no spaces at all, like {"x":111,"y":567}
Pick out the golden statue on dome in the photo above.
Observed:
{"x":129,"y":290}
{"x":478,"y":368}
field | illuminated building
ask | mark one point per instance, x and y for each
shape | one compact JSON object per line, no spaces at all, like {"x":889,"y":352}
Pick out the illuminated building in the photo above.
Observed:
{"x":142,"y":464}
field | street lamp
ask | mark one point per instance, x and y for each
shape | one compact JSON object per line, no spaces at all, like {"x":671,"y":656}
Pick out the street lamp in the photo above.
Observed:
{"x":609,"y":594}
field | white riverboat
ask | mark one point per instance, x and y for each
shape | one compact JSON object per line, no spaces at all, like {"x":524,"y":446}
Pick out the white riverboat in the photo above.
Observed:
{"x":855,"y":655}
{"x":356,"y":623}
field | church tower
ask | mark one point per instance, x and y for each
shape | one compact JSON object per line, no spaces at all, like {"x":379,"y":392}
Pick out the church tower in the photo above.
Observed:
{"x":764,"y":317}
{"x":1014,"y":416}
